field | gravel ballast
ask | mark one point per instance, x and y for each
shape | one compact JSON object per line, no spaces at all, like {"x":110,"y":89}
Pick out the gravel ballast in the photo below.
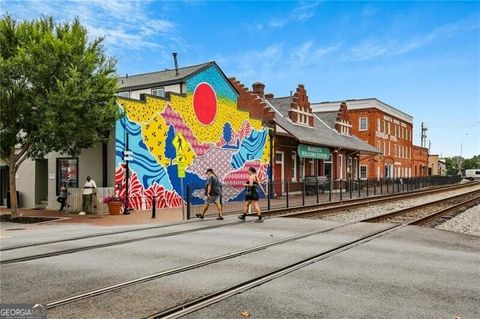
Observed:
{"x":467,"y":222}
{"x":379,"y":209}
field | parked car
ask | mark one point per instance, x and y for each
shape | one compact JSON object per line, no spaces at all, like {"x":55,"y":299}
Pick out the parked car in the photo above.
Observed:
{"x":472,"y":174}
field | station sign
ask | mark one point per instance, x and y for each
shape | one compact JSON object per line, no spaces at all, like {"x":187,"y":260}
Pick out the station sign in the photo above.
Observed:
{"x":314,"y":152}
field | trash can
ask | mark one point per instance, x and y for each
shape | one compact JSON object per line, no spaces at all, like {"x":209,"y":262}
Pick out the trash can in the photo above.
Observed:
{"x":9,"y":204}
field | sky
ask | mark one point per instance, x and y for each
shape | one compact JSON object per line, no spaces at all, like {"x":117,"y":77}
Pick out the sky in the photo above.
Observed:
{"x":420,"y":57}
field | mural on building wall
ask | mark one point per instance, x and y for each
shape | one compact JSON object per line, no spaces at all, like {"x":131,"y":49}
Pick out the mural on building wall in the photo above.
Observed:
{"x":217,"y":135}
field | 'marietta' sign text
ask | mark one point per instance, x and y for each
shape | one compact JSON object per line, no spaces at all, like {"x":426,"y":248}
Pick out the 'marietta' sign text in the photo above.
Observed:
{"x":314,"y":152}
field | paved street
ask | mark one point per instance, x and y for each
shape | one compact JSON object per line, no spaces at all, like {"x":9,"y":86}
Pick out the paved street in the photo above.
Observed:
{"x":413,"y":272}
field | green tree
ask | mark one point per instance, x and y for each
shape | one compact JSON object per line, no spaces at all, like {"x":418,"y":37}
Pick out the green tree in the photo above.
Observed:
{"x":57,"y":91}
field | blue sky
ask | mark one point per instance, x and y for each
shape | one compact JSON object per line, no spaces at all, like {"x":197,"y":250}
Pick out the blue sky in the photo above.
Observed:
{"x":421,"y":57}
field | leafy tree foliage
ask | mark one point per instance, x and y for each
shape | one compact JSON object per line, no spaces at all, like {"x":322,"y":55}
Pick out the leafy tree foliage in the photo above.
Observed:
{"x":57,"y":91}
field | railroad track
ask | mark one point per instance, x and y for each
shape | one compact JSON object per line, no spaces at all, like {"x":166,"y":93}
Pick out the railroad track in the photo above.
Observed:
{"x":196,"y":304}
{"x":318,"y":210}
{"x":421,"y":213}
{"x":347,"y":203}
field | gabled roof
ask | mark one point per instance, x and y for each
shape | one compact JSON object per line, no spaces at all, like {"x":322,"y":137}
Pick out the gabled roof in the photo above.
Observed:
{"x":165,"y":77}
{"x":328,"y":117}
{"x":320,"y":134}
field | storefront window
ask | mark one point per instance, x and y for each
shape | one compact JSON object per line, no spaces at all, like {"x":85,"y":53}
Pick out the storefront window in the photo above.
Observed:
{"x":67,"y":171}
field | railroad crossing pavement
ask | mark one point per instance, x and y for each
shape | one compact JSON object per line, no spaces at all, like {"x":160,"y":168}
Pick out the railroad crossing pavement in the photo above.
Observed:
{"x":413,"y":272}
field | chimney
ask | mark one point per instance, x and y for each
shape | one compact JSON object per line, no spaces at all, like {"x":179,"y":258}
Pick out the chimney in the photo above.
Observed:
{"x":176,"y":63}
{"x":258,"y":88}
{"x":269,"y":96}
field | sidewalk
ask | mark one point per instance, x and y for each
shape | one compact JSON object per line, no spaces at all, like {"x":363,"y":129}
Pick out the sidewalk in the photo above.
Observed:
{"x":136,"y":217}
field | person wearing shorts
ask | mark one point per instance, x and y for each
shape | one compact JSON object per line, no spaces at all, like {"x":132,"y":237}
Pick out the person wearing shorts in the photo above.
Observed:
{"x":252,"y":196}
{"x":212,"y":193}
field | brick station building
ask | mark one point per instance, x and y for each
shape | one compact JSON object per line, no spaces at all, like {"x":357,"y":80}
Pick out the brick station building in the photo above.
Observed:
{"x":304,"y":144}
{"x":383,"y":126}
{"x":420,"y":161}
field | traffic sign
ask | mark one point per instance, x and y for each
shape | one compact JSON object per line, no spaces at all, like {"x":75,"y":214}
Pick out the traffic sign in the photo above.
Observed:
{"x":181,"y":169}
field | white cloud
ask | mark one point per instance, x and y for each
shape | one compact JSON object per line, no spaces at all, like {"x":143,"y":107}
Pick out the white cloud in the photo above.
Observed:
{"x":275,"y":61}
{"x":374,"y":47}
{"x":126,"y":25}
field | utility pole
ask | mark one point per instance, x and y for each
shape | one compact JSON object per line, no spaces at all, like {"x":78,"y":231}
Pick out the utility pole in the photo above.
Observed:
{"x":423,"y":136}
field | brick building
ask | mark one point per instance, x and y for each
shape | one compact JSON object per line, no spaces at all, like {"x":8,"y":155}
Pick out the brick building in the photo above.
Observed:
{"x":304,"y":145}
{"x":383,"y":126}
{"x":420,"y":161}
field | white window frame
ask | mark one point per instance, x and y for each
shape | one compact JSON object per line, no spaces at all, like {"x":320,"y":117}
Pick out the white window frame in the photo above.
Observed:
{"x":378,"y":124}
{"x":388,"y":128}
{"x":366,"y":171}
{"x":159,"y":89}
{"x":360,"y":123}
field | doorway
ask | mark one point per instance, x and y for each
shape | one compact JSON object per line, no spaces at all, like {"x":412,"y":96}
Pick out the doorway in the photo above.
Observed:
{"x":279,"y":173}
{"x":41,"y":182}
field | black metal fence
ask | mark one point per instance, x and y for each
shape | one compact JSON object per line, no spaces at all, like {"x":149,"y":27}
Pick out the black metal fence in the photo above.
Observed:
{"x":285,"y":194}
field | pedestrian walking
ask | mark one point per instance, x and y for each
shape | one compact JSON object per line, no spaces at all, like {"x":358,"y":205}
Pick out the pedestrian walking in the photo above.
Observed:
{"x":212,"y":192}
{"x":62,"y":199}
{"x":89,"y":189}
{"x":252,"y":195}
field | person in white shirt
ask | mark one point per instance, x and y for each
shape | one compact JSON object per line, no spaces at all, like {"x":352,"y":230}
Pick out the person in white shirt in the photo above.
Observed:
{"x":88,"y":190}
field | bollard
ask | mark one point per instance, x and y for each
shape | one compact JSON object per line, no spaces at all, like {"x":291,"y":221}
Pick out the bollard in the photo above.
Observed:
{"x":154,"y":208}
{"x":189,"y":206}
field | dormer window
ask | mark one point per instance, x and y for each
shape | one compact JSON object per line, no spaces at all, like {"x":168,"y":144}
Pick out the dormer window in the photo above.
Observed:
{"x":363,"y":122}
{"x":160,"y":92}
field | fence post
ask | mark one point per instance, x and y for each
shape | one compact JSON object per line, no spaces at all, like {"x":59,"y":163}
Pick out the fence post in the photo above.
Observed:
{"x":189,"y":205}
{"x":269,"y":186}
{"x":367,"y":186}
{"x":303,"y":194}
{"x":374,"y":187}
{"x":318,"y":191}
{"x":350,"y":185}
{"x":381,"y":186}
{"x":286,"y":193}
{"x":330,"y":186}
{"x":154,"y":208}
{"x":359,"y":187}
{"x":341,"y":189}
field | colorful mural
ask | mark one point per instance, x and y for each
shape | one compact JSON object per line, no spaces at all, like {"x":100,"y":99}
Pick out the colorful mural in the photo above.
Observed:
{"x":217,"y":135}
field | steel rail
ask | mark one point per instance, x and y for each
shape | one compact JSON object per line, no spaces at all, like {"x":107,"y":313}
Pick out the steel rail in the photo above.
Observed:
{"x":307,"y":209}
{"x":403,"y":211}
{"x":323,"y":211}
{"x":427,"y":219}
{"x":223,"y":257}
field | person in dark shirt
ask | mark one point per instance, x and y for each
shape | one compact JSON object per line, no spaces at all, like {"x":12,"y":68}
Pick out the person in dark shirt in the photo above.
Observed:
{"x":212,"y":192}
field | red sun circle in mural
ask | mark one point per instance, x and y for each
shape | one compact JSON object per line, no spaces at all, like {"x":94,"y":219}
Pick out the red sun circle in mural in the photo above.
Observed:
{"x":205,"y":103}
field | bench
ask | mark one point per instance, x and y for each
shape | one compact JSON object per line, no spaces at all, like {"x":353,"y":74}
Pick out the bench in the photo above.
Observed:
{"x":311,"y":183}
